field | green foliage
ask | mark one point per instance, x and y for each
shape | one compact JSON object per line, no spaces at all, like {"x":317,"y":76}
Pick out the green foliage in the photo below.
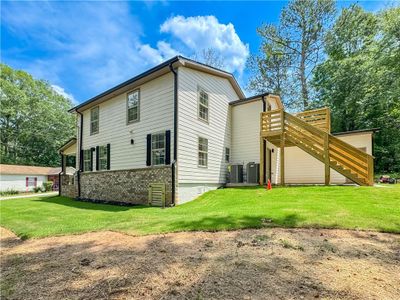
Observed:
{"x":9,"y":192}
{"x":47,"y":185}
{"x":34,"y":121}
{"x":374,"y":208}
{"x":360,"y":79}
{"x":37,"y":189}
{"x":290,"y":50}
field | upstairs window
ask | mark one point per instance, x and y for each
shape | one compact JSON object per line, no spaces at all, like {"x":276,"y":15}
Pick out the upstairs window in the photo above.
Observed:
{"x":158,"y":149}
{"x":94,"y":120}
{"x":133,"y":102}
{"x":227,"y":154}
{"x":203,"y":105}
{"x":203,"y":152}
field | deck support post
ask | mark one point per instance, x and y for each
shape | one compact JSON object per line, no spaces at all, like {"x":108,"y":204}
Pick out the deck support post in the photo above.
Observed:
{"x":282,"y":148}
{"x":370,"y":170}
{"x":326,"y":159}
{"x":262,"y":150}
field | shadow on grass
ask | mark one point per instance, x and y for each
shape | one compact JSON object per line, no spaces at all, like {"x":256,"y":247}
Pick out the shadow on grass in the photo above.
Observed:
{"x":89,"y":205}
{"x":215,"y":223}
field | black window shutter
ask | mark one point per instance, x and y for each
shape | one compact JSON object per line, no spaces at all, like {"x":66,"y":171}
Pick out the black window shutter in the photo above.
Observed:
{"x":148,"y":150}
{"x":168,"y":147}
{"x":81,"y":161}
{"x":91,"y":159}
{"x":108,"y":156}
{"x":97,"y":158}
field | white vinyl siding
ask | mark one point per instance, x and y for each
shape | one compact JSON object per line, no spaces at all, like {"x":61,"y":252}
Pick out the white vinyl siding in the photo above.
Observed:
{"x":18,"y":182}
{"x":94,"y":120}
{"x":246,"y":132}
{"x":302,"y":168}
{"x":217,"y":131}
{"x":156,"y":115}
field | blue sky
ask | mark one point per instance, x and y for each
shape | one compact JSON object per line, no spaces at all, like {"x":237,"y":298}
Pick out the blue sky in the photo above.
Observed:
{"x":84,"y":48}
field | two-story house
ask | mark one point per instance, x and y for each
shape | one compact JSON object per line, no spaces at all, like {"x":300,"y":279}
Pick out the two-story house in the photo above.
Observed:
{"x":175,"y":129}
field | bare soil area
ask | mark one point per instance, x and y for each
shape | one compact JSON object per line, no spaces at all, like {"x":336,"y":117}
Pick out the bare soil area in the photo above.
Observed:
{"x":248,"y":264}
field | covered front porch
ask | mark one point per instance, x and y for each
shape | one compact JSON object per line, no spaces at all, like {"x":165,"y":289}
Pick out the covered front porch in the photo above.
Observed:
{"x":67,"y":180}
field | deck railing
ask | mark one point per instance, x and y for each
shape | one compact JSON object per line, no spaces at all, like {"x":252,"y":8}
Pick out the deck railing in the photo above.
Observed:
{"x":320,"y":118}
{"x":271,"y":122}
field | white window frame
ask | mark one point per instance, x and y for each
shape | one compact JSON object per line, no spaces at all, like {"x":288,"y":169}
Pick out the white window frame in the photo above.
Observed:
{"x":87,"y":160}
{"x":201,"y":152}
{"x":103,"y":156}
{"x":137,"y":106}
{"x":202,"y":105}
{"x":227,"y":154}
{"x":162,"y":149}
{"x":92,"y":120}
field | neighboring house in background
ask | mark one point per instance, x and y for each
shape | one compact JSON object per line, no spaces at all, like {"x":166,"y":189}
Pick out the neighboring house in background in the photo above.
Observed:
{"x":26,"y":178}
{"x":174,"y":131}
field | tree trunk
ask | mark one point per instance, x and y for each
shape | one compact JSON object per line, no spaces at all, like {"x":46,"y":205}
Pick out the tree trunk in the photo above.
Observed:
{"x":303,"y":80}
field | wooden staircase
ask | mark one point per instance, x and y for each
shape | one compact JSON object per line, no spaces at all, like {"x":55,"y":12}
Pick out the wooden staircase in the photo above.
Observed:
{"x":310,"y":131}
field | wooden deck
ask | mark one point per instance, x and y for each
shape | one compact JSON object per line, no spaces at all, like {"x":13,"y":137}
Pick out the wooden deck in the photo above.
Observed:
{"x":310,"y":131}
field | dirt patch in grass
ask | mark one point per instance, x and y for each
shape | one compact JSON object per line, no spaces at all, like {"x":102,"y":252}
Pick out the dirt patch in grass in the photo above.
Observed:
{"x":246,"y":264}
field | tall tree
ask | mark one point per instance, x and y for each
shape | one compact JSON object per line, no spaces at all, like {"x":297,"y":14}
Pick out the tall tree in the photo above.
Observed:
{"x":270,"y":73}
{"x":34,"y":121}
{"x":291,"y":50}
{"x":360,"y":78}
{"x":211,"y":57}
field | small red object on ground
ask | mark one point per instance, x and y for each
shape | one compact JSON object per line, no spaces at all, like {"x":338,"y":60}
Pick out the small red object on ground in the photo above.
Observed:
{"x":269,"y":186}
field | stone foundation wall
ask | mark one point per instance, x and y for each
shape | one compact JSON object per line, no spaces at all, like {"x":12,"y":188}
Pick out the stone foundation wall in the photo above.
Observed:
{"x":125,"y":186}
{"x":68,"y":186}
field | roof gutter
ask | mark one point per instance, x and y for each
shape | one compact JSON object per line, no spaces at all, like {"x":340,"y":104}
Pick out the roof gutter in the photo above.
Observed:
{"x":250,"y":99}
{"x":173,"y":165}
{"x":125,"y":83}
{"x":183,"y":60}
{"x":80,"y":154}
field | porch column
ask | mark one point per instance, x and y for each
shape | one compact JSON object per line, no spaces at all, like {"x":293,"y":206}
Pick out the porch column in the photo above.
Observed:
{"x":63,"y":162}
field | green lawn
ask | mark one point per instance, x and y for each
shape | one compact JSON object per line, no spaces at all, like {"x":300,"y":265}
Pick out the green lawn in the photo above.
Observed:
{"x":375,"y":208}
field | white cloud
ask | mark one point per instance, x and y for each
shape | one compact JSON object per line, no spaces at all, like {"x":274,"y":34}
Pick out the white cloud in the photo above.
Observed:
{"x":92,"y":46}
{"x":204,"y":32}
{"x":166,"y":49}
{"x":157,"y":55}
{"x":61,"y":91}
